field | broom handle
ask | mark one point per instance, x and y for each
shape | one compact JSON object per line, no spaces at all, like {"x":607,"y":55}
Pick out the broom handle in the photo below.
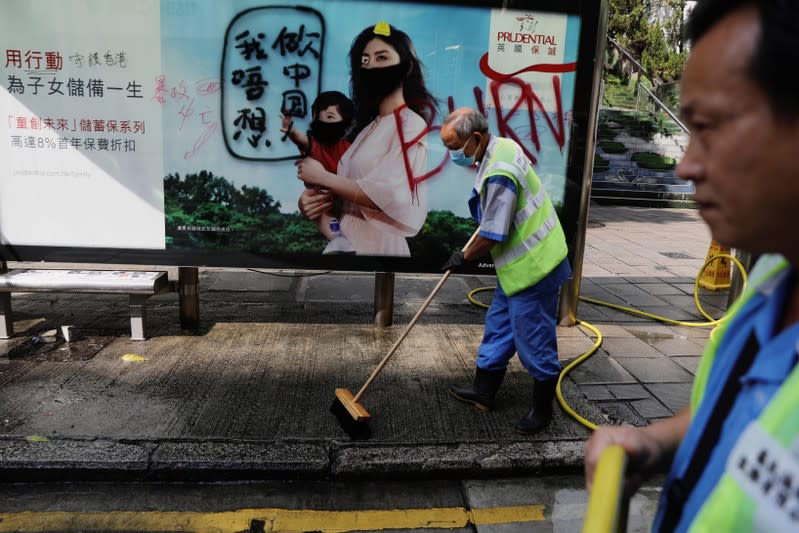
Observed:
{"x":412,"y":323}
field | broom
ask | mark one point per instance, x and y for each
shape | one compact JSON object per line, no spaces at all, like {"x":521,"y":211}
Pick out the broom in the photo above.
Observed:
{"x":353,"y":416}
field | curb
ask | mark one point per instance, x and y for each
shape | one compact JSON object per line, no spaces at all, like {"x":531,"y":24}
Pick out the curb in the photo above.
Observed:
{"x":227,"y":460}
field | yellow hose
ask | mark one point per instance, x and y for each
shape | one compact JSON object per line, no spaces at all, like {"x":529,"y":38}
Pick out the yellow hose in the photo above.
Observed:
{"x":598,"y":342}
{"x":566,"y":407}
{"x":711,"y":321}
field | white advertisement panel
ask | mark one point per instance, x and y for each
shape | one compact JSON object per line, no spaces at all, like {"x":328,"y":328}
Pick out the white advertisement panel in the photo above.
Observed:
{"x":82,"y":146}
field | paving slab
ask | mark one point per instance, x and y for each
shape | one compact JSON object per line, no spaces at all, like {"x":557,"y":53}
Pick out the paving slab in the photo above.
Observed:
{"x":597,"y":392}
{"x":655,"y":370}
{"x":601,"y":371}
{"x":678,"y":347}
{"x":629,"y":347}
{"x":632,"y":391}
{"x":688,"y":363}
{"x":650,"y":408}
{"x":660,"y":288}
{"x":675,"y":396}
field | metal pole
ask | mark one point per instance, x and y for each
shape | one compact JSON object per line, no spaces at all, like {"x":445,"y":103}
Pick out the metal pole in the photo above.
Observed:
{"x":736,"y":281}
{"x":6,"y":321}
{"x":570,"y":292}
{"x":666,"y":110}
{"x":189,"y":295}
{"x":384,"y":299}
{"x":138,"y":316}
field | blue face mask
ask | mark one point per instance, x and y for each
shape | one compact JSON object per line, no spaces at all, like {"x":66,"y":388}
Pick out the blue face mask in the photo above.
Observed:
{"x":461,"y":159}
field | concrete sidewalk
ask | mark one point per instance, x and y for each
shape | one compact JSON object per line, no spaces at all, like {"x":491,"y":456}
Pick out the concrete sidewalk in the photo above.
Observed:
{"x":247,"y":396}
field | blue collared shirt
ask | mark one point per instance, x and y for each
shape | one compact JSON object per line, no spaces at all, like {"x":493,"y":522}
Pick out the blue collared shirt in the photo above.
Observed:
{"x":776,"y":357}
{"x":494,"y":211}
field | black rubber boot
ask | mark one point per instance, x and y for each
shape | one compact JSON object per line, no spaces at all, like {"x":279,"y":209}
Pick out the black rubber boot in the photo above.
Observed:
{"x":481,"y":393}
{"x":540,"y":415}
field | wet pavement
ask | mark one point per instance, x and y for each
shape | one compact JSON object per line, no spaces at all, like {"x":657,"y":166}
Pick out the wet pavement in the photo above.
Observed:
{"x":247,"y":395}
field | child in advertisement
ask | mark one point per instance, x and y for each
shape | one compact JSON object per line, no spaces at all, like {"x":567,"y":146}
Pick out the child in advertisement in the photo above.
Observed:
{"x":325,"y":141}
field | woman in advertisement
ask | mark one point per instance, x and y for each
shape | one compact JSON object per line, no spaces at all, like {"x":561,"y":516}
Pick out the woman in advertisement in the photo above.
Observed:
{"x":381,"y":205}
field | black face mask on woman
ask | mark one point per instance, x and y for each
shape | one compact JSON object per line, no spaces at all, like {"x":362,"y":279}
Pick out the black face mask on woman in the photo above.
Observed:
{"x":378,"y":83}
{"x":328,"y":132}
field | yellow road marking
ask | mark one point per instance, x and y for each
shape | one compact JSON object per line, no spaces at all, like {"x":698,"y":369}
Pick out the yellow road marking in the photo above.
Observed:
{"x":275,"y":519}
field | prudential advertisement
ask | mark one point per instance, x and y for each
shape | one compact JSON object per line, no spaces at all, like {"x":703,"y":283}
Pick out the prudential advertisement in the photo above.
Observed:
{"x":204,"y":124}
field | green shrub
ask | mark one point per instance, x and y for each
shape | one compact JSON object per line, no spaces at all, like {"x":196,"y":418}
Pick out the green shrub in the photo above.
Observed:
{"x":600,"y":164}
{"x":653,"y":161}
{"x":612,"y":147}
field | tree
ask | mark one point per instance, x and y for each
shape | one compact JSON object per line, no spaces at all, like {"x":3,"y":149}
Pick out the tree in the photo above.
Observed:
{"x":246,"y":219}
{"x":443,"y":232}
{"x":651,"y":30}
{"x":220,"y":216}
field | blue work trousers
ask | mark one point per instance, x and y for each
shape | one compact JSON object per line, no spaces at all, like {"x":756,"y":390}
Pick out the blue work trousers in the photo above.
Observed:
{"x":523,"y":323}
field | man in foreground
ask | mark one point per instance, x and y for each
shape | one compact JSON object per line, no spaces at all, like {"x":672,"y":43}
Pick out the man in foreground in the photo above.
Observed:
{"x":734,"y":453}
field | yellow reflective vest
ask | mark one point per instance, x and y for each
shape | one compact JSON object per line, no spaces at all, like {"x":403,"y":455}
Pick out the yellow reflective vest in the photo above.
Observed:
{"x":536,"y":243}
{"x":759,"y":489}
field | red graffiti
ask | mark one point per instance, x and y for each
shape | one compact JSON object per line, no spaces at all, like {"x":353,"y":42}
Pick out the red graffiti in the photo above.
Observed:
{"x":208,"y":86}
{"x":414,"y":181}
{"x":201,"y":140}
{"x":555,"y":68}
{"x":527,"y":98}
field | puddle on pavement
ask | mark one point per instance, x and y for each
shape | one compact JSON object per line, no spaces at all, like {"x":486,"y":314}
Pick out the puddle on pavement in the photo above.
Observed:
{"x":650,"y":337}
{"x":58,"y":350}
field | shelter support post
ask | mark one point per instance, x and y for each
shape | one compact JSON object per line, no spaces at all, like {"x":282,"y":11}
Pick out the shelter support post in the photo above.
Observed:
{"x":584,"y":130}
{"x":6,"y":322}
{"x":384,"y":299}
{"x":189,"y":294}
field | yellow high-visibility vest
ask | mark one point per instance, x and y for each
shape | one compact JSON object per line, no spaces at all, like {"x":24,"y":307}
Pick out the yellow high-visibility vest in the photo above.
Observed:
{"x":759,"y":489}
{"x":536,"y":243}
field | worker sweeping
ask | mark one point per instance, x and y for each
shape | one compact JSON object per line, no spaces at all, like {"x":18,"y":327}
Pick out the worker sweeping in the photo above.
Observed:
{"x":521,"y":230}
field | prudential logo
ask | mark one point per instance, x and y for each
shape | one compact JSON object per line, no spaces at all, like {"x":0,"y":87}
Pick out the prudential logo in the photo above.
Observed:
{"x":525,"y":38}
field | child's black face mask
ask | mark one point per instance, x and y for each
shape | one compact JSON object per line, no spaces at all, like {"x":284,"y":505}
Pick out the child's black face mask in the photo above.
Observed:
{"x":328,"y":132}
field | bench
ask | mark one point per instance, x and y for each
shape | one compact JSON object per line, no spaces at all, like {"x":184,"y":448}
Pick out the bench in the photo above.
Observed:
{"x":139,"y":285}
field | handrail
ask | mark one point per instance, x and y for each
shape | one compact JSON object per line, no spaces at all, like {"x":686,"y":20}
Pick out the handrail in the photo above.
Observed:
{"x":607,"y":506}
{"x":657,"y":83}
{"x":666,"y":109}
{"x":629,"y":56}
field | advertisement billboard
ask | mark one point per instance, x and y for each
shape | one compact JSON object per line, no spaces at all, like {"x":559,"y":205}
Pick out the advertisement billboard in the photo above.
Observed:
{"x":169,"y":132}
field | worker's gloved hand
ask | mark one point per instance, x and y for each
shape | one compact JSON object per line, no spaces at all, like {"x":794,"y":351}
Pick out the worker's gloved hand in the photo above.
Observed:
{"x":455,"y":262}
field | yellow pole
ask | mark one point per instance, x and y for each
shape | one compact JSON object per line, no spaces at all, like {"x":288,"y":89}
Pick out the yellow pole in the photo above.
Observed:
{"x":607,"y":507}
